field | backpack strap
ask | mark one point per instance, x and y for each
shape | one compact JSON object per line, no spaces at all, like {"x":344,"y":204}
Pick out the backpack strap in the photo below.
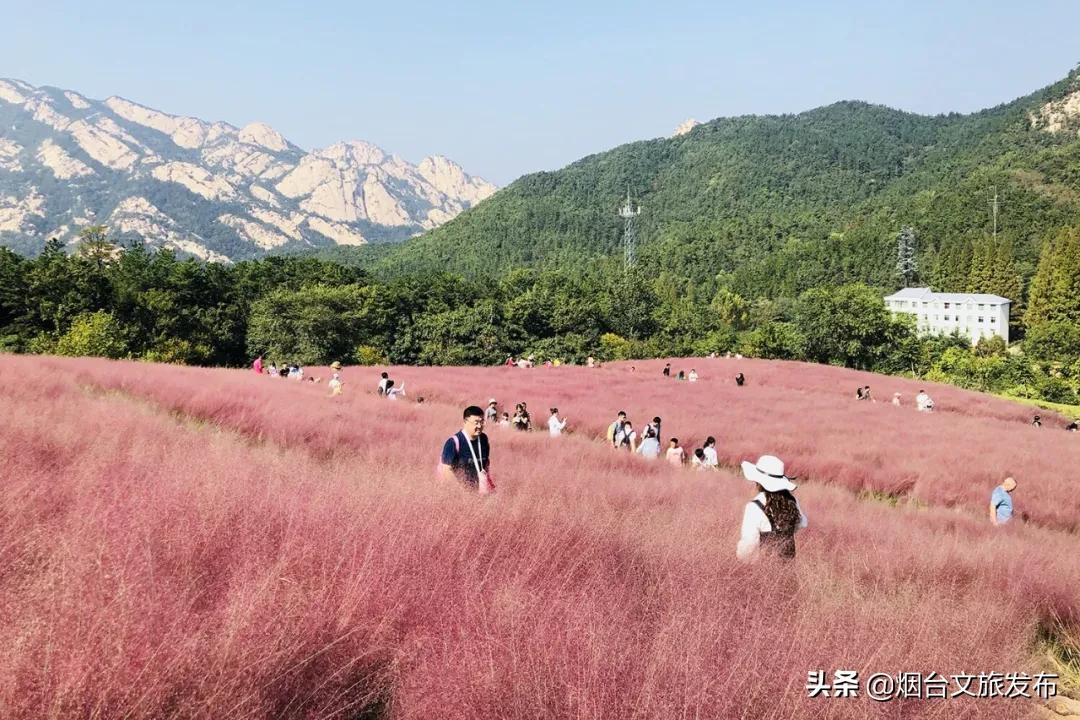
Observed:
{"x":457,"y":443}
{"x":758,"y":503}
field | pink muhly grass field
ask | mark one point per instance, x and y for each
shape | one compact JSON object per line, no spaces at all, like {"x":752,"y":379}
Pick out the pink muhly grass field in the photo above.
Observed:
{"x":181,"y":542}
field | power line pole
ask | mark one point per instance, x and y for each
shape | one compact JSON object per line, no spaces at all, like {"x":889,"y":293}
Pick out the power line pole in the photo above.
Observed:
{"x":629,"y":212}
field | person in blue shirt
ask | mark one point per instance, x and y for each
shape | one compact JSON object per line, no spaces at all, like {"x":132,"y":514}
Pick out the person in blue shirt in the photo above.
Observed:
{"x":466,"y":455}
{"x":1001,"y":503}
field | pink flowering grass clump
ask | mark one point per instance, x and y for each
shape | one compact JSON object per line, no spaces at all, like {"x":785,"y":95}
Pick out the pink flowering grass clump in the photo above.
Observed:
{"x":180,"y":542}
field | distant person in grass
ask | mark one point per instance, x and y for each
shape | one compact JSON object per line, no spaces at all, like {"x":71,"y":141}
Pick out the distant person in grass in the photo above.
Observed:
{"x":520,"y":421}
{"x":1001,"y":502}
{"x":272,"y":370}
{"x":667,"y":370}
{"x":692,"y":377}
{"x":466,"y":455}
{"x":556,"y":426}
{"x":335,"y":379}
{"x":866,"y":394}
{"x":393,"y":392}
{"x":257,"y":366}
{"x":859,"y":393}
{"x":627,"y":437}
{"x":384,"y":381}
{"x":650,"y":446}
{"x":1072,"y":427}
{"x":773,"y":516}
{"x":1036,"y":421}
{"x":923,"y":403}
{"x":615,"y":427}
{"x":675,"y":454}
{"x":711,"y":460}
{"x":655,"y":426}
{"x":740,"y":379}
{"x":491,"y":414}
{"x":680,"y":376}
{"x":896,"y":399}
{"x":698,"y":459}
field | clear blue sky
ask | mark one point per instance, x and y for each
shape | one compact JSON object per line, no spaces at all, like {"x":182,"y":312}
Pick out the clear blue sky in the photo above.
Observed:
{"x":506,"y":88}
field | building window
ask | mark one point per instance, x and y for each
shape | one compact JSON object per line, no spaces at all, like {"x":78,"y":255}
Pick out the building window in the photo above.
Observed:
{"x":993,"y":320}
{"x":980,"y":318}
{"x":946,"y":307}
{"x":981,"y":306}
{"x":946,"y":317}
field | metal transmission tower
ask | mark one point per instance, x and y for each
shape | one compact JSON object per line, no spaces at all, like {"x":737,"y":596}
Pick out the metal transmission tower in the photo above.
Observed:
{"x":906,"y":264}
{"x":629,"y":212}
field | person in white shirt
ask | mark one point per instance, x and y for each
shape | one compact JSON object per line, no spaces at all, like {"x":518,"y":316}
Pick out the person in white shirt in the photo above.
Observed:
{"x":923,"y":403}
{"x":384,"y":381}
{"x":772,"y":517}
{"x":711,"y":461}
{"x":491,"y":414}
{"x":393,"y":393}
{"x":555,"y":427}
{"x":650,"y":446}
{"x":675,"y":454}
{"x":692,"y":377}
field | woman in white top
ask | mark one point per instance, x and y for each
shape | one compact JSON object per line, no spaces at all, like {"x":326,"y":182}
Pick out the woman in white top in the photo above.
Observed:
{"x":711,"y":461}
{"x":650,"y":446}
{"x":555,"y":427}
{"x":692,"y":377}
{"x":772,"y":517}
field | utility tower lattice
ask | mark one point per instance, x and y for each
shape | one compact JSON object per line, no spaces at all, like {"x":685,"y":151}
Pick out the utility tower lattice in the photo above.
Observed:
{"x":629,"y":212}
{"x":906,"y":264}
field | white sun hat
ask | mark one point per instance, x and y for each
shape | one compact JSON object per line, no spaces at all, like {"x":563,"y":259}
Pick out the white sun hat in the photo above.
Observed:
{"x":769,"y":473}
{"x":492,"y":401}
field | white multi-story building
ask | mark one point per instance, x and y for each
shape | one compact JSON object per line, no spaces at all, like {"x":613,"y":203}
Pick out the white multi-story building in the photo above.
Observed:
{"x":973,"y":314}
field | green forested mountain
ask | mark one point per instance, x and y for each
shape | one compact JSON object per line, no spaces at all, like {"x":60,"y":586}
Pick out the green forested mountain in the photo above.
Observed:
{"x":771,"y":206}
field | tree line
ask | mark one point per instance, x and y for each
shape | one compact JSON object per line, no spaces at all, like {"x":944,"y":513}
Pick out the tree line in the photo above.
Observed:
{"x":134,"y":302}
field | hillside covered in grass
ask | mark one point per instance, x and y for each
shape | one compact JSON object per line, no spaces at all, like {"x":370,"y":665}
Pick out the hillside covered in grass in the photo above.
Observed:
{"x":183,"y":542}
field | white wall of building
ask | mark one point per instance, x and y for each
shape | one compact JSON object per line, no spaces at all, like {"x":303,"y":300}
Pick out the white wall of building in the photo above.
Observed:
{"x":973,"y":315}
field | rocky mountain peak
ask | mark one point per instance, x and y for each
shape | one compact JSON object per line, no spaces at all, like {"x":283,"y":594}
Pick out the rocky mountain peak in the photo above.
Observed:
{"x":207,"y":189}
{"x":261,"y":134}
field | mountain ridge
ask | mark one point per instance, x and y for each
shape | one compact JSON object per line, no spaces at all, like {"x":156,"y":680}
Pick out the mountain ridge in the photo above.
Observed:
{"x":216,"y":191}
{"x":733,"y":199}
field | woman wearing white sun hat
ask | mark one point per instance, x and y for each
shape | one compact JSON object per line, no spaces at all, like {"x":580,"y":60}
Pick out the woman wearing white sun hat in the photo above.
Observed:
{"x":772,"y":517}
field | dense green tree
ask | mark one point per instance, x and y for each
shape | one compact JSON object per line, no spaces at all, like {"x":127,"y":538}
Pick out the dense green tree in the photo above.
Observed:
{"x":94,"y":334}
{"x":848,"y":326}
{"x":1055,"y":289}
{"x":318,"y":324}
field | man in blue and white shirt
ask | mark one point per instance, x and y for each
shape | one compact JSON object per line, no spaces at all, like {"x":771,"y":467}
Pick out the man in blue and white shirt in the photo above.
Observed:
{"x":1001,"y":503}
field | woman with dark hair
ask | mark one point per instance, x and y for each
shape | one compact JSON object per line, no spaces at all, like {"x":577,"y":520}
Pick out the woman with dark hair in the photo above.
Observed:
{"x":739,"y":379}
{"x":773,"y":516}
{"x":711,"y":460}
{"x":650,"y":446}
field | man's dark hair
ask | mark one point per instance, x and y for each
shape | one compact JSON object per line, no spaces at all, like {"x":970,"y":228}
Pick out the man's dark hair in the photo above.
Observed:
{"x":622,"y":412}
{"x":710,"y":441}
{"x":472,"y":411}
{"x":384,"y":375}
